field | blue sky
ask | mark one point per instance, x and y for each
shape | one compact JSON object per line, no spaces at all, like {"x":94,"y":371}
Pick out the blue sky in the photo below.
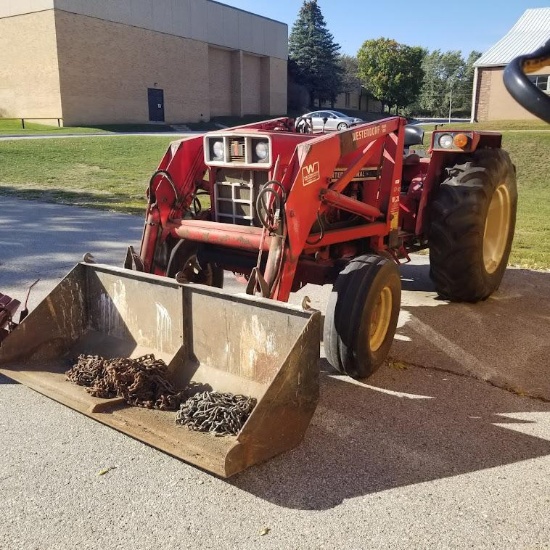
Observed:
{"x":464,"y":25}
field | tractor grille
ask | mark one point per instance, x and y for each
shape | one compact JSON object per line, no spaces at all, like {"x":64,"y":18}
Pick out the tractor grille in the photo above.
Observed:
{"x":235,"y":193}
{"x":237,"y":150}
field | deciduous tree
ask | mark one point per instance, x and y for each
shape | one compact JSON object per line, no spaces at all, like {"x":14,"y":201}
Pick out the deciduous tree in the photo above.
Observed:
{"x":447,"y":84}
{"x":391,"y":72}
{"x":350,"y":73}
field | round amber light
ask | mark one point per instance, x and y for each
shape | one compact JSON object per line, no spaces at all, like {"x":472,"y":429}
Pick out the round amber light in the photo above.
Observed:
{"x":460,"y":140}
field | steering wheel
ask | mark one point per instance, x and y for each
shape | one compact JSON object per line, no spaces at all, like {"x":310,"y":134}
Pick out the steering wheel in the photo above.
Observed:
{"x":522,"y":89}
{"x":304,"y":125}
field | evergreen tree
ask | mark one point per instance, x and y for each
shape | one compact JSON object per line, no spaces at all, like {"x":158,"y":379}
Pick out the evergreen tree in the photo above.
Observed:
{"x":315,"y":54}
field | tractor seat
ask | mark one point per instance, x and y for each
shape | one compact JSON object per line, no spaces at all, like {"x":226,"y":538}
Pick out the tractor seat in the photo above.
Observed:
{"x":414,"y":135}
{"x":411,"y":158}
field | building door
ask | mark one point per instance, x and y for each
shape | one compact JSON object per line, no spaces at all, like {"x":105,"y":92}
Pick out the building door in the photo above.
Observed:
{"x":156,"y":104}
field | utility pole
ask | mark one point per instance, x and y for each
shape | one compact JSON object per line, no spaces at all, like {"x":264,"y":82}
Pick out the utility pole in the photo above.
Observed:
{"x":450,"y":101}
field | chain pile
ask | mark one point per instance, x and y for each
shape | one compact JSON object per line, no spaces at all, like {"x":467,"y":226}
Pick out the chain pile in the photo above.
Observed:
{"x":214,"y":412}
{"x":142,"y":382}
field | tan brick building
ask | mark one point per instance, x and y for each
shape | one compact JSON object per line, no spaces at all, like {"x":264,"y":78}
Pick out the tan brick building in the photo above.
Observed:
{"x":134,"y":61}
{"x":491,"y":100}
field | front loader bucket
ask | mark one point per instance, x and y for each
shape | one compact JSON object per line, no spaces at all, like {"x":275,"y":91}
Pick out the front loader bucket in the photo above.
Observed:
{"x":238,"y":344}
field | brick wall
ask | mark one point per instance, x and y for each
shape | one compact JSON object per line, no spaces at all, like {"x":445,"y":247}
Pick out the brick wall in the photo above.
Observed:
{"x":90,"y":71}
{"x":29,"y":81}
{"x":483,"y":94}
{"x":273,"y":86}
{"x":221,"y":64}
{"x":252,"y":81}
{"x":493,"y":100}
{"x":106,"y":68}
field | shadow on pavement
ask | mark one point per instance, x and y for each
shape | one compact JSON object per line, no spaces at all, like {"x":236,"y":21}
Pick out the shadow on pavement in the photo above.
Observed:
{"x":6,"y":380}
{"x":363,"y":440}
{"x":52,"y":238}
{"x":416,"y":277}
{"x":81,"y":199}
{"x":502,"y":339}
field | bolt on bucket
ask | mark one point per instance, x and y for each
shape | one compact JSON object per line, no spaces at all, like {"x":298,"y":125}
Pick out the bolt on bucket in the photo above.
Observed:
{"x":241,"y":345}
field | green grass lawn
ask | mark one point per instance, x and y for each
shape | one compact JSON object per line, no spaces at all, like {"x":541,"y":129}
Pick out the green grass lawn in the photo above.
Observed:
{"x":492,"y":126}
{"x":112,"y":173}
{"x":505,"y":125}
{"x":529,"y":152}
{"x":14,"y":127}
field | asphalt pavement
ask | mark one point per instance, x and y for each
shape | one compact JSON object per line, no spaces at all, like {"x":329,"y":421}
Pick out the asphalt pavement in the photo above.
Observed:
{"x":430,"y":452}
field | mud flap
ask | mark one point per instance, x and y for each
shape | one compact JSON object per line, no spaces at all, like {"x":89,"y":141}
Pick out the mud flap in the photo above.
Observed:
{"x":239,"y":344}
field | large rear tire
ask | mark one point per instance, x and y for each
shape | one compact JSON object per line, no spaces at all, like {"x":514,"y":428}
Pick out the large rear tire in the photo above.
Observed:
{"x":472,"y":226}
{"x":361,"y":315}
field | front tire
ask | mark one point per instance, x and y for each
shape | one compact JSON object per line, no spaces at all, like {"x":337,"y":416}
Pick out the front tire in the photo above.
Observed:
{"x":472,"y":226}
{"x":342,"y":126}
{"x":361,"y":315}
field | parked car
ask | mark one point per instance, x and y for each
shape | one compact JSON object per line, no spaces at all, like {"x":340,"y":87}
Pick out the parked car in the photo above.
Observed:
{"x":334,"y":120}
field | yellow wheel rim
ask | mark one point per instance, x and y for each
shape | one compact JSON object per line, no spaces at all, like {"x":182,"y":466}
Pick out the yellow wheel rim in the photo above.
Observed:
{"x":380,"y":320}
{"x":497,"y":227}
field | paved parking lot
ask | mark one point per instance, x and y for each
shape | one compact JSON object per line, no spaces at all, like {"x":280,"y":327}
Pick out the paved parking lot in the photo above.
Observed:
{"x":418,"y":456}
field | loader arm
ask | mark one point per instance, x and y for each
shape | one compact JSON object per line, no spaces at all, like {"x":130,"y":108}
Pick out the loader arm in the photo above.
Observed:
{"x":350,"y":175}
{"x":310,"y":182}
{"x":171,"y":191}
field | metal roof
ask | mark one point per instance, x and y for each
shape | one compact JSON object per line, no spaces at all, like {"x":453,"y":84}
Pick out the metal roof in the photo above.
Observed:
{"x":531,"y":31}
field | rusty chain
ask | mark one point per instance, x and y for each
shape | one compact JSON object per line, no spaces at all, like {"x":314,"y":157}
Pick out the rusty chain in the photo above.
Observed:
{"x":143,"y":382}
{"x":214,"y":412}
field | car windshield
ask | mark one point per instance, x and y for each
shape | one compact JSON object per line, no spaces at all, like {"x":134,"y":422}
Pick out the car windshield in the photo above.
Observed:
{"x":337,"y":113}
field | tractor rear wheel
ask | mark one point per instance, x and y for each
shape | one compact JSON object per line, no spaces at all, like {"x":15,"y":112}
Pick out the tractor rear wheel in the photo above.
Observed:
{"x":185,"y":267}
{"x":472,"y":226}
{"x":361,"y":315}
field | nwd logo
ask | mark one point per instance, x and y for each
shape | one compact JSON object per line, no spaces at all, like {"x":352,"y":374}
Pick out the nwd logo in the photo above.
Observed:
{"x":310,"y":173}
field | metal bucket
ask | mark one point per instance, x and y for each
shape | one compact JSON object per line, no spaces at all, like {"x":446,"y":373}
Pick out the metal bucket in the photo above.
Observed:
{"x":238,"y":344}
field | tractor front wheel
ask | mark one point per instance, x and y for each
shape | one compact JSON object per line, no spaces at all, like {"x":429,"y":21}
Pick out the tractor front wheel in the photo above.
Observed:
{"x":361,"y":315}
{"x":472,"y":226}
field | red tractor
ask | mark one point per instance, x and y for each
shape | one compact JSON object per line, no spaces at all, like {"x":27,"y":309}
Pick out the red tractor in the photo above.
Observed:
{"x":281,"y":207}
{"x":284,"y":207}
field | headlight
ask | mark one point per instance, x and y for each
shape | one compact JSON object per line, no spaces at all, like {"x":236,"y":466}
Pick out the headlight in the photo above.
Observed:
{"x":446,"y":141}
{"x":218,"y":150}
{"x":262,"y":150}
{"x":461,"y":140}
